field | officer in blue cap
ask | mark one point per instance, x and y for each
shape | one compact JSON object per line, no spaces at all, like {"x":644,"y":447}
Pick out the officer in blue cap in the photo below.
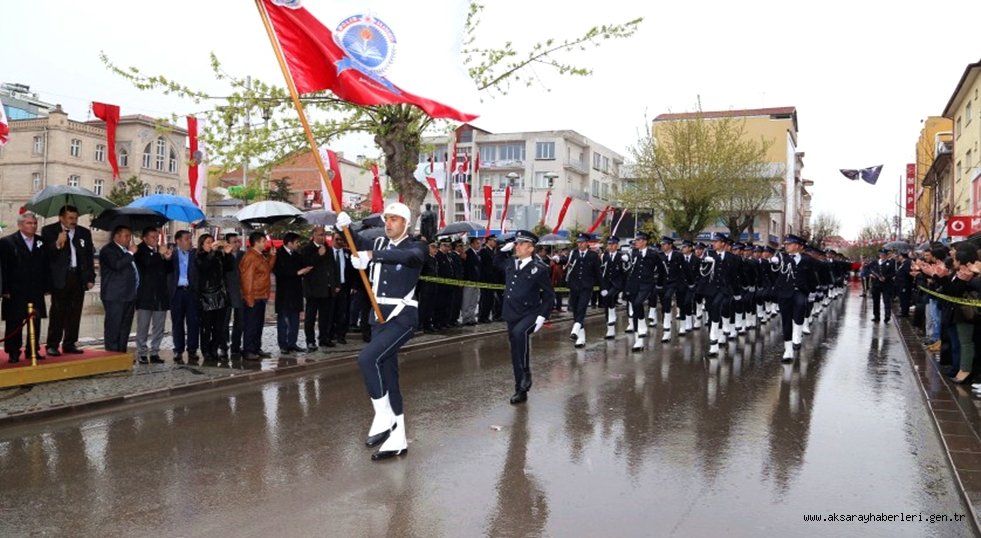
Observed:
{"x":686,"y":300}
{"x":582,"y":272}
{"x":645,"y":275}
{"x":676,"y":276}
{"x":882,"y":273}
{"x":793,"y":287}
{"x":722,"y":287}
{"x":699,"y":290}
{"x":612,"y":273}
{"x":528,"y":300}
{"x":396,"y":262}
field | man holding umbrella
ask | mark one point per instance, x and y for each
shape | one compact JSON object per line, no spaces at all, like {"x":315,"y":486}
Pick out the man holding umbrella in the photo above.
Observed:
{"x":72,"y":268}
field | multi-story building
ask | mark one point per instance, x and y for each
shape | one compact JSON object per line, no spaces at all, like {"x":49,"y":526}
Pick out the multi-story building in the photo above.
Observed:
{"x":536,"y":165}
{"x":788,"y":210}
{"x":936,"y":139}
{"x":965,"y":111}
{"x":20,"y":103}
{"x":54,"y":150}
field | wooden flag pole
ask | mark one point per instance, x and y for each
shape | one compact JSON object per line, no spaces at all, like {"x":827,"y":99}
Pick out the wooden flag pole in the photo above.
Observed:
{"x":335,"y":203}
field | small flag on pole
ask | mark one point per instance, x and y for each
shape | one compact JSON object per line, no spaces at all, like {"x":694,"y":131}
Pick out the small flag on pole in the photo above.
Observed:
{"x":871,"y":174}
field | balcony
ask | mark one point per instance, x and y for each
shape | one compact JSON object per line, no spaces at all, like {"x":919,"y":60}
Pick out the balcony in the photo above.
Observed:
{"x":576,"y":166}
{"x":502,"y":165}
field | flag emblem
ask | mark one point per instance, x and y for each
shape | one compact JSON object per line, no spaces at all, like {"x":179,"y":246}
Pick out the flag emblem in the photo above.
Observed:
{"x":292,"y":4}
{"x":368,"y":41}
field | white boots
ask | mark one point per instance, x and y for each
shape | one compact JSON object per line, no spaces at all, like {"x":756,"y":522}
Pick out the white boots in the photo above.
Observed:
{"x":575,"y":330}
{"x":797,"y":335}
{"x":611,"y":323}
{"x":611,"y":331}
{"x":580,"y":337}
{"x":641,"y":333}
{"x":397,"y":444}
{"x":788,"y":351}
{"x":652,"y":315}
{"x":807,"y":325}
{"x":381,"y":425}
{"x":666,"y":335}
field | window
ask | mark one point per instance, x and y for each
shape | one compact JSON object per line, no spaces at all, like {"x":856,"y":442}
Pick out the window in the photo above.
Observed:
{"x":596,"y":160}
{"x":968,"y":113}
{"x":35,"y":181}
{"x":159,"y":189}
{"x":38,"y":145}
{"x":76,"y":147}
{"x":146,"y":189}
{"x":100,"y":153}
{"x":595,"y":188}
{"x":512,"y":152}
{"x":605,"y":191}
{"x":161,"y":154}
{"x":545,"y":151}
{"x":458,"y":207}
{"x":438,"y":153}
{"x":171,"y":190}
{"x":605,"y":164}
{"x":99,"y":186}
{"x":123,"y":158}
{"x":148,"y":156}
{"x":488,"y":153}
{"x":172,"y":163}
{"x":73,"y":181}
{"x":536,"y":213}
{"x":957,"y":128}
{"x":466,"y":136}
{"x":541,"y":182}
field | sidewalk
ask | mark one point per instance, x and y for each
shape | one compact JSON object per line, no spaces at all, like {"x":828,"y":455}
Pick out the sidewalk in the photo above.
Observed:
{"x":156,"y":381}
{"x":956,"y":413}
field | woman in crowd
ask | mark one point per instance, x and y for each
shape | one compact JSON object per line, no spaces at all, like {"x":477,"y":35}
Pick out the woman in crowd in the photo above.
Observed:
{"x":213,"y":260}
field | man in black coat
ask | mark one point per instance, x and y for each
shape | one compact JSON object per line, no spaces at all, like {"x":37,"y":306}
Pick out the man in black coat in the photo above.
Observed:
{"x":904,"y":284}
{"x":471,"y":273}
{"x":234,"y":312}
{"x":883,"y":273}
{"x":26,"y":273}
{"x":582,"y":273}
{"x":71,"y":256}
{"x":182,"y":285}
{"x":456,"y":258}
{"x":612,"y":274}
{"x":444,"y":269}
{"x":152,"y":295}
{"x":723,"y":285}
{"x":289,"y":269}
{"x":119,"y":282}
{"x":686,"y":295}
{"x":644,"y":278}
{"x":796,"y":280}
{"x":320,"y":286}
{"x":347,"y":277}
{"x":428,"y":294}
{"x":488,"y":275}
{"x":676,"y":277}
{"x":528,"y":299}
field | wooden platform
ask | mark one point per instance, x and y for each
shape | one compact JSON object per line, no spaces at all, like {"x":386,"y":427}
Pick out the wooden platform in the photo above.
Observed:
{"x":92,"y":362}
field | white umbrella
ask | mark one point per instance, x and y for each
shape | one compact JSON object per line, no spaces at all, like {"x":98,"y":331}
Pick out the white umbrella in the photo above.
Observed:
{"x":267,"y":212}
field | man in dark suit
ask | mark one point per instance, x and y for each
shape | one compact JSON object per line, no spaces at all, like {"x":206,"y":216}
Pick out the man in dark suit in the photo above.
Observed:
{"x":444,"y":269}
{"x":676,"y":277}
{"x":582,"y":273}
{"x":794,"y":285}
{"x":612,"y":275}
{"x":883,"y":272}
{"x":26,"y":273}
{"x":233,"y":314}
{"x":71,"y":256}
{"x":427,"y":291}
{"x":320,"y":287}
{"x":289,"y":269}
{"x":904,"y":284}
{"x":471,"y":273}
{"x":687,"y":294}
{"x":184,"y":305}
{"x":488,"y":274}
{"x":456,"y":259}
{"x":644,"y":276}
{"x":528,"y":299}
{"x":119,"y":282}
{"x":152,"y":295}
{"x":721,"y":287}
{"x":346,"y":276}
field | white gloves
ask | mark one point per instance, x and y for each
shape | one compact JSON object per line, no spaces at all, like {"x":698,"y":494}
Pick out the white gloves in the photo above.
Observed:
{"x":539,"y":321}
{"x":811,"y":297}
{"x":555,"y":259}
{"x":775,"y":259}
{"x":625,"y":257}
{"x":343,"y":220}
{"x":709,"y":260}
{"x":361,"y":261}
{"x":738,"y":297}
{"x":508,"y":247}
{"x":604,"y":293}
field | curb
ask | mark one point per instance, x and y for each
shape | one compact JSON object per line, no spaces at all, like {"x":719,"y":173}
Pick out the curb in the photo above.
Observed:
{"x":246,"y":377}
{"x":906,"y":332}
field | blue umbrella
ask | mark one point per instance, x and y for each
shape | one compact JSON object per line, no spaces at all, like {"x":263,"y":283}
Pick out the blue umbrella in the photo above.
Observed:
{"x":173,"y":207}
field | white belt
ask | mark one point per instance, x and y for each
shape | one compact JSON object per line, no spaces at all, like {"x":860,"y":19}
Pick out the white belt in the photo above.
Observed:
{"x":400,"y":303}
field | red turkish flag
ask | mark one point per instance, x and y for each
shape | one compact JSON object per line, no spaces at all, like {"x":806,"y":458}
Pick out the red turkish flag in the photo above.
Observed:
{"x":599,"y":220}
{"x":488,"y":207}
{"x":377,"y":204}
{"x":317,"y":63}
{"x":110,"y":115}
{"x":507,"y":202}
{"x":439,"y":200}
{"x":565,"y":207}
{"x":4,"y":127}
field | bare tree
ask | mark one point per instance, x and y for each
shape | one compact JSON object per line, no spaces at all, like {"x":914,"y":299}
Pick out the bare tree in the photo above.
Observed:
{"x":823,"y":226}
{"x":876,"y":232}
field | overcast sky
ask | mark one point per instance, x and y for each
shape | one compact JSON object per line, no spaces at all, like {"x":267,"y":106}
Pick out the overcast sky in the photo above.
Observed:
{"x":862,"y":74}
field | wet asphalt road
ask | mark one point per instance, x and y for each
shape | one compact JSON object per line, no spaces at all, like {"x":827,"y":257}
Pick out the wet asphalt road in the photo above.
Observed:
{"x":611,"y":443}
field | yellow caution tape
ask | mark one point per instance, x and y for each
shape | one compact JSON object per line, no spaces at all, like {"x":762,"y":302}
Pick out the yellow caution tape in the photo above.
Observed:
{"x":956,"y":300}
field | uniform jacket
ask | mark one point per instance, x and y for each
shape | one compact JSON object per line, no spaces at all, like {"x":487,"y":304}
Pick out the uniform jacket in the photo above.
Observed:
{"x":646,"y":271}
{"x":256,"y":276}
{"x":61,"y":259}
{"x":154,"y":269}
{"x":693,"y":262}
{"x":457,"y":262}
{"x":583,"y":270}
{"x":903,"y":279}
{"x":528,"y":291}
{"x":394,"y":273}
{"x":26,"y":275}
{"x":289,"y":285}
{"x":793,"y":276}
{"x":886,"y":269}
{"x":612,"y":271}
{"x":471,"y":265}
{"x":724,"y":275}
{"x":444,"y":265}
{"x":117,"y":268}
{"x":321,"y":281}
{"x":675,"y":271}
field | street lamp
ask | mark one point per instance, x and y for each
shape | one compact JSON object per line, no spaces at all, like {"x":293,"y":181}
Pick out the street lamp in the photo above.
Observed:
{"x":512,"y":180}
{"x":550,"y":178}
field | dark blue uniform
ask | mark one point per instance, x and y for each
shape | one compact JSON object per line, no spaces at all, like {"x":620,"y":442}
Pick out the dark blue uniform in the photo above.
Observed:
{"x":795,"y":280}
{"x":882,"y":273}
{"x":676,"y":277}
{"x":394,"y":273}
{"x":528,"y":294}
{"x":643,"y":277}
{"x":612,"y":275}
{"x":582,"y":273}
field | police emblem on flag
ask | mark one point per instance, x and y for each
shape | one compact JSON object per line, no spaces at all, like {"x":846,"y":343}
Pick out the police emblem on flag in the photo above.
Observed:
{"x":368,"y":41}
{"x":292,"y":4}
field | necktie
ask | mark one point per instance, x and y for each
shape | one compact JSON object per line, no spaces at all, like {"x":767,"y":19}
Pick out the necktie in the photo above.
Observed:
{"x":71,"y":245}
{"x":340,"y":263}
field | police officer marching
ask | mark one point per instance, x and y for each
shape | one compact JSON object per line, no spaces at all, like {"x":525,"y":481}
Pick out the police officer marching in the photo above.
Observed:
{"x":396,"y":260}
{"x":688,"y":301}
{"x":722,"y":287}
{"x":644,"y":277}
{"x":582,"y":273}
{"x":793,"y":287}
{"x":675,"y":283}
{"x":612,"y":274}
{"x":528,"y":300}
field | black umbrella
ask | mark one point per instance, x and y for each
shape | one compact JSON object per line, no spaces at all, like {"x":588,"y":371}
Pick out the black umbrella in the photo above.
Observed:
{"x":135,"y":218}
{"x":220,"y":222}
{"x":901,"y":246}
{"x":552,"y":240}
{"x":320,"y":217}
{"x":464,"y":227}
{"x":371,"y":233}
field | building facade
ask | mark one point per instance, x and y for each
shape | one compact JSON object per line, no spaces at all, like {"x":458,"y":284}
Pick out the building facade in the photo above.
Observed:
{"x":788,"y":210}
{"x":964,"y":110}
{"x":936,"y":139}
{"x":20,"y":103}
{"x":55,"y":150}
{"x":537,"y":165}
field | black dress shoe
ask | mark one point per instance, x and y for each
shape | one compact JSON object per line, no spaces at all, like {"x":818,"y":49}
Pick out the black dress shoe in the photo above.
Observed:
{"x":264,"y":354}
{"x":875,"y":320}
{"x":192,"y":356}
{"x":966,"y":381}
{"x":311,"y":348}
{"x":71,"y":350}
{"x":386,"y":454}
{"x":329,"y":343}
{"x":53,"y":351}
{"x":379,"y":438}
{"x":155,"y":359}
{"x":518,"y":397}
{"x":143,"y":360}
{"x":285,"y":351}
{"x":251,"y":357}
{"x":14,"y":359}
{"x":179,"y":358}
{"x":525,"y":384}
{"x":296,"y":349}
